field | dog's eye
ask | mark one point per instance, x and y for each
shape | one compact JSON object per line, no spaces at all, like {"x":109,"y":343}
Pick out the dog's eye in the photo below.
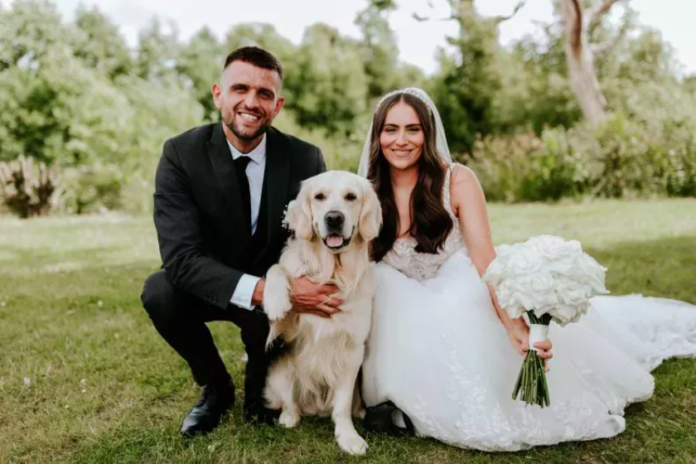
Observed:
{"x":320,"y":197}
{"x":351,"y":197}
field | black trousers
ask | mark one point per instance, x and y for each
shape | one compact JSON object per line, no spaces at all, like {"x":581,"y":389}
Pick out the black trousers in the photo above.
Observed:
{"x":180,"y":319}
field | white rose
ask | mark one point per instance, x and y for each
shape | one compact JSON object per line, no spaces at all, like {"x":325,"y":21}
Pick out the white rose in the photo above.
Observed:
{"x":507,"y":249}
{"x":563,"y":314}
{"x":572,"y":296}
{"x":509,"y":301}
{"x":566,"y":314}
{"x":553,"y":247}
{"x":593,"y":274}
{"x":541,"y":282}
{"x":524,"y":263}
{"x":500,"y":268}
{"x":533,"y":292}
{"x":541,"y":286}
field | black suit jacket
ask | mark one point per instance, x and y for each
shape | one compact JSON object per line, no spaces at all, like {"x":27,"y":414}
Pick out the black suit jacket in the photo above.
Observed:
{"x":199,"y":217}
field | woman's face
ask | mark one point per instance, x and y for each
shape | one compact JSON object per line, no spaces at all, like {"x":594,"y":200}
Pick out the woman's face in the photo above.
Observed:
{"x":402,"y":137}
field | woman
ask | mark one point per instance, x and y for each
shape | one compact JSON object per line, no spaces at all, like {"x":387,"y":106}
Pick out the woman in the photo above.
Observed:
{"x":443,"y":352}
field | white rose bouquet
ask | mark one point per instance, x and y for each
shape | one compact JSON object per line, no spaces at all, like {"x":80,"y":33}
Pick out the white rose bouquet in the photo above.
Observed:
{"x":548,"y":279}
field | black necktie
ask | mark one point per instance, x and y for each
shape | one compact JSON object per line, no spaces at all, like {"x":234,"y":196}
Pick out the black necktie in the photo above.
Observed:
{"x":243,"y":181}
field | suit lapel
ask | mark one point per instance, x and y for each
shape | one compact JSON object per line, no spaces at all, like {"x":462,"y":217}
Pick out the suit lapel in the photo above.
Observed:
{"x":225,"y":172}
{"x":276,"y":180}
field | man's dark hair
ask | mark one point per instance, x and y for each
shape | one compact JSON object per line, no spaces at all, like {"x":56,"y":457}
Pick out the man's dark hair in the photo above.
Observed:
{"x":256,"y":56}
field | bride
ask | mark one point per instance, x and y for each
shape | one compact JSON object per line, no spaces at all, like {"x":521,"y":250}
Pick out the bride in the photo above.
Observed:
{"x":443,"y":357}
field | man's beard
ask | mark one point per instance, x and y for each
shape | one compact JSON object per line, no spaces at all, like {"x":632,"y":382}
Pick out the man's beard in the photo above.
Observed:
{"x":240,"y":133}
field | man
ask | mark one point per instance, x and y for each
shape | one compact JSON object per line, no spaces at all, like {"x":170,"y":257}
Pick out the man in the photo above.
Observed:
{"x":220,"y":195}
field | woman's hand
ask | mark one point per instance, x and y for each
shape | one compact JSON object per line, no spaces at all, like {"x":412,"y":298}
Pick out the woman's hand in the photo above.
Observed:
{"x":519,"y":336}
{"x":518,"y":332}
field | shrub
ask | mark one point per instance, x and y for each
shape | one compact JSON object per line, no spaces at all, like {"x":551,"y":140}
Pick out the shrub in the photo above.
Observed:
{"x":27,"y":188}
{"x":620,"y":159}
{"x":90,"y":189}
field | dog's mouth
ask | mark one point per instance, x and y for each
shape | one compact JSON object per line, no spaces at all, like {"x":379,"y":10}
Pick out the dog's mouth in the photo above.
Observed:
{"x":336,"y":241}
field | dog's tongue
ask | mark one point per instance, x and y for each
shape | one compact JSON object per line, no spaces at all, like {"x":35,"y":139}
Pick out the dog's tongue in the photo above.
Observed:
{"x":334,"y":241}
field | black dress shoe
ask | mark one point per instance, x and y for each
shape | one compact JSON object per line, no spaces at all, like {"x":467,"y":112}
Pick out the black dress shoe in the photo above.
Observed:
{"x":215,"y":401}
{"x":380,"y":419}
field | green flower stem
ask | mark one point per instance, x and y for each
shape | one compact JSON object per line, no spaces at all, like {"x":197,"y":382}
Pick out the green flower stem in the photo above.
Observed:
{"x":531,"y":385}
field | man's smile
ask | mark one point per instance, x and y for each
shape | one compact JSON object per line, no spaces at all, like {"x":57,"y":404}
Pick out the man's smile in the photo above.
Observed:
{"x":249,"y":117}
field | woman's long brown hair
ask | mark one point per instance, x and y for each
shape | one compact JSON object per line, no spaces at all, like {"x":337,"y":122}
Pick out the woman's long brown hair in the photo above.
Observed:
{"x":430,"y":222}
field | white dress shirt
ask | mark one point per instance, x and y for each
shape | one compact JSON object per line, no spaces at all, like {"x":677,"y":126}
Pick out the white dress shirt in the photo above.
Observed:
{"x":255,"y":171}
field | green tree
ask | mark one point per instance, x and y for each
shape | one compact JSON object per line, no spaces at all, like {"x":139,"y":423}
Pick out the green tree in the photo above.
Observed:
{"x":379,"y":50}
{"x":689,"y":84}
{"x":157,"y":52}
{"x":29,"y":31}
{"x":544,"y":97}
{"x":102,"y":47}
{"x":61,"y":113}
{"x":468,"y":80}
{"x":200,"y":62}
{"x":329,"y":86}
{"x":46,"y":94}
{"x":262,"y":35}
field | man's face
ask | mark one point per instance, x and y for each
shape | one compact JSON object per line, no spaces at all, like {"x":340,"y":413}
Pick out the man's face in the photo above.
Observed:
{"x":248,"y":98}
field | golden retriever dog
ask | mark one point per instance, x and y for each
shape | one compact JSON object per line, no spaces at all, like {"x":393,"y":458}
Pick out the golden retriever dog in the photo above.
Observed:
{"x":334,"y":217}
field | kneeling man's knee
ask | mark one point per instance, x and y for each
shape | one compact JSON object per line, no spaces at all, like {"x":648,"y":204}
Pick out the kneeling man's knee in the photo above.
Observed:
{"x":159,"y":295}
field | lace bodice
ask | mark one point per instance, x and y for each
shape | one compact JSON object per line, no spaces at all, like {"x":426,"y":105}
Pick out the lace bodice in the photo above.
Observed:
{"x":420,"y":266}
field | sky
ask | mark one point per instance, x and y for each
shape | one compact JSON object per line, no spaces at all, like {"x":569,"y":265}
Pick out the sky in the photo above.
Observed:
{"x":418,"y":42}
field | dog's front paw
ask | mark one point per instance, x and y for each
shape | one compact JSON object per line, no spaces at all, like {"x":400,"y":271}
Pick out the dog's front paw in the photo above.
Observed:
{"x":352,"y":443}
{"x":289,"y":419}
{"x":276,"y":297}
{"x":275,"y":306}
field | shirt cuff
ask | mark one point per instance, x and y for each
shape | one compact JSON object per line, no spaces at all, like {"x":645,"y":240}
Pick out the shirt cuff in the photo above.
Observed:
{"x":245,"y":291}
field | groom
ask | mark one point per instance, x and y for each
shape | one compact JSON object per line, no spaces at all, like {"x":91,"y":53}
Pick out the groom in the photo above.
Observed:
{"x":220,"y":193}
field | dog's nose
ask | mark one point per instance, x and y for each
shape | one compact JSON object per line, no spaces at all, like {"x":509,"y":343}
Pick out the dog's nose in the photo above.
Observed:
{"x":334,"y":220}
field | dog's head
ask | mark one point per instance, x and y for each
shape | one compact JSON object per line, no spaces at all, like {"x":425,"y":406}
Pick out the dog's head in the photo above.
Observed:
{"x":337,"y":208}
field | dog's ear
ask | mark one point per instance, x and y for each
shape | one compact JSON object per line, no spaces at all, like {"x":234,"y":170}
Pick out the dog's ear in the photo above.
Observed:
{"x":370,"y":215}
{"x":299,"y":216}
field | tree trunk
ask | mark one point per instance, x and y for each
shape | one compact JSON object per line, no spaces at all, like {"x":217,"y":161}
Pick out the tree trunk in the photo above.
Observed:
{"x":580,"y":60}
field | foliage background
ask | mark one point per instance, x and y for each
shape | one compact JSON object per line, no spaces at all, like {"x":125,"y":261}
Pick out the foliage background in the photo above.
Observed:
{"x":73,"y":95}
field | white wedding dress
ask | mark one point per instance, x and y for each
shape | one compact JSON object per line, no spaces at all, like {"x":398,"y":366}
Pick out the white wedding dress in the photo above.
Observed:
{"x":438,"y":351}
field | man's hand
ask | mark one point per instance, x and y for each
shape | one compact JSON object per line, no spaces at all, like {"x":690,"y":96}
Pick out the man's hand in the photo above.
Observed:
{"x":519,"y":336}
{"x":308,"y":297}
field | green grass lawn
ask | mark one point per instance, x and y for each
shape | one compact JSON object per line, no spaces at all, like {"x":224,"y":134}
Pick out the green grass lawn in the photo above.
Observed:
{"x":84,"y":377}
